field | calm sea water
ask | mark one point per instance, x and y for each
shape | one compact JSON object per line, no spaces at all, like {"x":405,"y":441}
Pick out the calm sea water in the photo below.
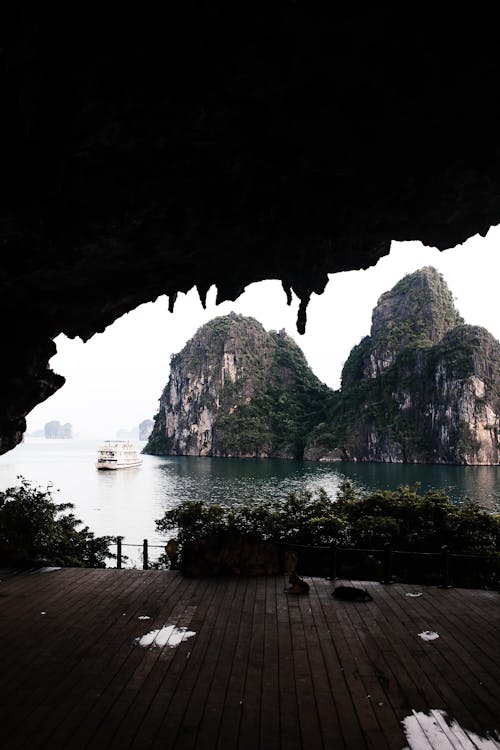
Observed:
{"x":127,"y":502}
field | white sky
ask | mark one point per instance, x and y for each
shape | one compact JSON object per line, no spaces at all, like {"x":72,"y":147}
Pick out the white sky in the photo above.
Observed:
{"x":115,"y":380}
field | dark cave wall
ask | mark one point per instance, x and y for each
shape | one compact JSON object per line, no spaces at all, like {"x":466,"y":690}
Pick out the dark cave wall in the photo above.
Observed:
{"x":224,"y":147}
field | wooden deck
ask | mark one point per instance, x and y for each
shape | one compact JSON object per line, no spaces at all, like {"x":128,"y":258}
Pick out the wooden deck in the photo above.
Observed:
{"x":263,"y":669}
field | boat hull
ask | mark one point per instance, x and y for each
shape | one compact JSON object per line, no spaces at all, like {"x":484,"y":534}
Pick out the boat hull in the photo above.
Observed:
{"x":108,"y":466}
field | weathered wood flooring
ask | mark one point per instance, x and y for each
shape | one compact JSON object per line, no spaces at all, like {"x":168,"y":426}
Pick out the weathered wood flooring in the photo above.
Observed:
{"x":262,"y":670}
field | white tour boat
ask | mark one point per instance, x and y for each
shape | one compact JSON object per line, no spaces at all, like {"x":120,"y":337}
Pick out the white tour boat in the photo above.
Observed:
{"x":118,"y":454}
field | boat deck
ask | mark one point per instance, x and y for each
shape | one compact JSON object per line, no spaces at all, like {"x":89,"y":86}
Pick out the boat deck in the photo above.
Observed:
{"x":245,"y":666}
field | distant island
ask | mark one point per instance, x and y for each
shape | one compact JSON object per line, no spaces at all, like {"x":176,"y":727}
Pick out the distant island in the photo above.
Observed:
{"x":56,"y":430}
{"x":141,"y":432}
{"x":423,"y":387}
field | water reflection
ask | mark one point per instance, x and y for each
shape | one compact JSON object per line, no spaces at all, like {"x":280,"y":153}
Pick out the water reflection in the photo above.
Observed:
{"x":245,"y":481}
{"x":479,"y":484}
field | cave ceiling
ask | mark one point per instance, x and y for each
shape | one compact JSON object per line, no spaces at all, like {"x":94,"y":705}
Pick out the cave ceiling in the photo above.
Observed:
{"x":142,"y":158}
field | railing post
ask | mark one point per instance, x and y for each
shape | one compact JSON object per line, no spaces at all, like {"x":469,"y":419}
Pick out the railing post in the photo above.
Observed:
{"x":445,"y":567}
{"x":145,"y":554}
{"x":387,"y":563}
{"x":333,"y":562}
{"x":119,"y":552}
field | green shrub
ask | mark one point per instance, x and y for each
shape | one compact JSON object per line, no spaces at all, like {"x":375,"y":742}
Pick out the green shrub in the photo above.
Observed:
{"x":36,"y":530}
{"x":403,"y":518}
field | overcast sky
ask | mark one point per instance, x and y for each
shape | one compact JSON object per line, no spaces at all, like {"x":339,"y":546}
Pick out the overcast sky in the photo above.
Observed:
{"x":115,"y":380}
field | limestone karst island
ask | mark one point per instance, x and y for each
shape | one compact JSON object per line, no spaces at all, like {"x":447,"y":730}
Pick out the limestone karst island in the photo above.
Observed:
{"x":423,"y":387}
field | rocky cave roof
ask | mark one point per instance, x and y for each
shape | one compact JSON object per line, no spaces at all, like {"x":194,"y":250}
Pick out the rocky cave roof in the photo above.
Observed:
{"x":226,"y":146}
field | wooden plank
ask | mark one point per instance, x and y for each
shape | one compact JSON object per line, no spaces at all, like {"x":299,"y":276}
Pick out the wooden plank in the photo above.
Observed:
{"x":100,"y":637}
{"x":270,"y":692}
{"x":328,"y":719}
{"x":480,"y":602}
{"x":289,"y":706}
{"x":434,"y":733}
{"x":435,"y":664}
{"x":191,"y":726}
{"x":416,"y":736}
{"x":143,"y":675}
{"x":217,"y":691}
{"x":203,"y":624}
{"x":401,"y":684}
{"x":111,"y":706}
{"x":25,"y":597}
{"x":466,"y":672}
{"x":404,"y":625}
{"x":250,"y":729}
{"x":477,"y":661}
{"x":382,"y":684}
{"x":306,"y":704}
{"x":233,"y":706}
{"x":455,"y":734}
{"x":479,"y":650}
{"x":56,"y":646}
{"x":310,"y":671}
{"x":168,"y":672}
{"x":326,"y":628}
{"x":368,"y":690}
{"x":354,"y":675}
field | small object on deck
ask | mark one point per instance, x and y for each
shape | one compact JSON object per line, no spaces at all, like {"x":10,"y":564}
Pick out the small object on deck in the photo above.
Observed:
{"x":414,"y":593}
{"x":351,"y":594}
{"x":171,"y":548}
{"x":428,"y":635}
{"x":297,"y":585}
{"x":291,"y":560}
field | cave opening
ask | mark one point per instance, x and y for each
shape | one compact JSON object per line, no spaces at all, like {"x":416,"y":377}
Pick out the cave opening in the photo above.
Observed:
{"x":114,"y":380}
{"x":128,"y":363}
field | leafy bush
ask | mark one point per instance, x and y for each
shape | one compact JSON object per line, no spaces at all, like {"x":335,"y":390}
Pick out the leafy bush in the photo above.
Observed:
{"x":420,"y":523}
{"x":34,"y":529}
{"x":404,"y":518}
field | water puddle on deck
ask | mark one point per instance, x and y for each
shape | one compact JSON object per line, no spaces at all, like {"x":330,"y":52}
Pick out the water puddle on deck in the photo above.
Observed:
{"x":428,"y":635}
{"x":436,"y":730}
{"x":168,"y":635}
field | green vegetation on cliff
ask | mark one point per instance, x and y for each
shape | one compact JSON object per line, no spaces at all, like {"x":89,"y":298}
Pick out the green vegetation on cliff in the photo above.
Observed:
{"x":288,"y":402}
{"x":237,"y":390}
{"x":423,"y":387}
{"x":418,"y":311}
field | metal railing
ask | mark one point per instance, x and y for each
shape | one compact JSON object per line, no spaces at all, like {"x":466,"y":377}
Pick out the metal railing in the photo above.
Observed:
{"x":387,"y":565}
{"x":145,"y":556}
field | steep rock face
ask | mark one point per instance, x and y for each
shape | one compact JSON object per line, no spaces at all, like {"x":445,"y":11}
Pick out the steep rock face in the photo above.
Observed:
{"x":419,"y":310}
{"x":236,"y":390}
{"x":422,"y":388}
